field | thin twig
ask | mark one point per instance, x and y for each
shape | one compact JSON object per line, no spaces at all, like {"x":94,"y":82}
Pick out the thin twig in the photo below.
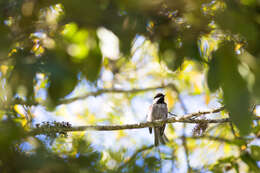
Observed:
{"x":232,"y":129}
{"x":214,"y":138}
{"x":197,"y":114}
{"x":172,"y":114}
{"x":186,"y":150}
{"x":133,"y":157}
{"x":100,"y":92}
{"x":184,"y":141}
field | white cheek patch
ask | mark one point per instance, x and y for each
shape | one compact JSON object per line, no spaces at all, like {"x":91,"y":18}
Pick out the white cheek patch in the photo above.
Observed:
{"x":155,"y":100}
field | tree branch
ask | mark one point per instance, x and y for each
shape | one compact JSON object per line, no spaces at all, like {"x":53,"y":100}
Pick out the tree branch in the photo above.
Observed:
{"x":51,"y":129}
{"x":184,"y":119}
{"x":114,"y":90}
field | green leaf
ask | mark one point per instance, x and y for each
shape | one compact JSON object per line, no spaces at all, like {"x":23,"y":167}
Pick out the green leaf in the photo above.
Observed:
{"x":5,"y":41}
{"x":255,"y":151}
{"x":92,"y":64}
{"x":256,"y":87}
{"x":61,"y":85}
{"x":62,"y":74}
{"x":246,"y":157}
{"x":237,"y":20}
{"x":236,"y":94}
{"x":213,"y":75}
{"x":235,"y":166}
{"x":167,"y":51}
{"x":23,"y":73}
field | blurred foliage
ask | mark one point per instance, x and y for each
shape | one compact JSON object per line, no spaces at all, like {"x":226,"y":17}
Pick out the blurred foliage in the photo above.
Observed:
{"x":49,"y":47}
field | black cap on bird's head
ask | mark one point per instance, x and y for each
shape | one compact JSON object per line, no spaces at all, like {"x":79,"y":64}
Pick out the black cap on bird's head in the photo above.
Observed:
{"x":159,"y":95}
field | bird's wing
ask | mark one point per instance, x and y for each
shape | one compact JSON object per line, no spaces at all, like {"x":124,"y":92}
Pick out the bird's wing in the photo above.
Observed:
{"x":164,"y":113}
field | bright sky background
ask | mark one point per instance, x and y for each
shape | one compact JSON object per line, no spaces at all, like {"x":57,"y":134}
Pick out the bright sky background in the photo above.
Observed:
{"x":133,"y":112}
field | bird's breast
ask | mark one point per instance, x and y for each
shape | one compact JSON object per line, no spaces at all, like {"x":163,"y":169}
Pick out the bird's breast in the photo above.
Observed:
{"x":159,"y":111}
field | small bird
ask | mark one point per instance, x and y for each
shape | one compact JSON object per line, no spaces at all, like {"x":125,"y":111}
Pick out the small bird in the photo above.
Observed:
{"x":158,"y":111}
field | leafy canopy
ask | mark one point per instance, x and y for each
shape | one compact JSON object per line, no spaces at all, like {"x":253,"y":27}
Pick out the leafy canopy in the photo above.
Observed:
{"x":48,"y":47}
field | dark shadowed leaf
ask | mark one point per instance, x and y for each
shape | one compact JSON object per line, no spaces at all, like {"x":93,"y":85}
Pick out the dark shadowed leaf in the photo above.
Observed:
{"x":23,"y":73}
{"x":255,"y":151}
{"x":91,"y":65}
{"x":213,"y":76}
{"x":61,"y":73}
{"x":247,"y":158}
{"x":236,"y":94}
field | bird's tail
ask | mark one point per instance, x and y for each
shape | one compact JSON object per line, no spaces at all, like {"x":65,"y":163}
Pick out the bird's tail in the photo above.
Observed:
{"x":158,"y":138}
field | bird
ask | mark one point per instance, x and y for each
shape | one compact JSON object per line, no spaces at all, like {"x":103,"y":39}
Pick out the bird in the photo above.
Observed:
{"x":158,"y":111}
